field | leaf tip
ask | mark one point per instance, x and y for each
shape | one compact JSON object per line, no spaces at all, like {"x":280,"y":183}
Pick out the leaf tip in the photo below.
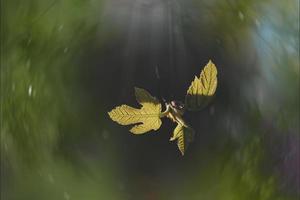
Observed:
{"x":182,"y":152}
{"x":136,"y":89}
{"x":110,"y":113}
{"x":212,"y":65}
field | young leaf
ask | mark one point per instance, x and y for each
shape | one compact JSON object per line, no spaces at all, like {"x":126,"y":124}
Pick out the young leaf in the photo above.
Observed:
{"x":184,"y":136}
{"x":146,"y":118}
{"x":202,"y":89}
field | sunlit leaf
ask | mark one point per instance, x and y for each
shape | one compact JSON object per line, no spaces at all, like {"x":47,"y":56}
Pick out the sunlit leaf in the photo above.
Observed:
{"x":184,"y":136}
{"x":202,"y":89}
{"x":146,"y":118}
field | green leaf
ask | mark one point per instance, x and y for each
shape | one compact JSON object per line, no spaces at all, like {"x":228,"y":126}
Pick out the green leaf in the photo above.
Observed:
{"x":146,"y":118}
{"x":184,"y":136}
{"x":202,"y":89}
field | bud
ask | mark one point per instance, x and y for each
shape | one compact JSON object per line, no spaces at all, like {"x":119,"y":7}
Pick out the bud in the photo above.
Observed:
{"x":178,"y":107}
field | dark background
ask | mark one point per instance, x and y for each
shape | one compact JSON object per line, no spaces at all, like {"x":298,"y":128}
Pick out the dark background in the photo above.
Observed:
{"x":65,"y":64}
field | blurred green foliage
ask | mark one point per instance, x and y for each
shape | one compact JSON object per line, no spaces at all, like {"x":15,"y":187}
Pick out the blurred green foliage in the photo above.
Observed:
{"x":39,"y":72}
{"x":40,"y":101}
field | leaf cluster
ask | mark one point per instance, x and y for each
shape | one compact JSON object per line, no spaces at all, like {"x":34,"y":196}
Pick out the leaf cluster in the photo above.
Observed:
{"x":148,"y":116}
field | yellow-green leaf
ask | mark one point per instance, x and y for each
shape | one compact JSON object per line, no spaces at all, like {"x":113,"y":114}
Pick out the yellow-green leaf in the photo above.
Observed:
{"x":202,"y":89}
{"x":146,"y":118}
{"x":184,"y":136}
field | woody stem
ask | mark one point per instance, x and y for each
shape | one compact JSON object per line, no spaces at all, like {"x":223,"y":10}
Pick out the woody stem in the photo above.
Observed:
{"x":166,"y":112}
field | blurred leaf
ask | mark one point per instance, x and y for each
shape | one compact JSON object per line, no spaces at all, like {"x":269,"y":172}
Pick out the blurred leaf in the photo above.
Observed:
{"x":147,"y":117}
{"x":202,"y":89}
{"x":184,"y":136}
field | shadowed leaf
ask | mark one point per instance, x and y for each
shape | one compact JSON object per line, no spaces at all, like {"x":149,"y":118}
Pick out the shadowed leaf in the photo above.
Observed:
{"x":202,"y":89}
{"x":184,"y":136}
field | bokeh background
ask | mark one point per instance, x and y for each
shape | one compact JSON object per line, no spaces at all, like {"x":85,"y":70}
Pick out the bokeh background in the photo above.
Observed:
{"x":66,"y":63}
